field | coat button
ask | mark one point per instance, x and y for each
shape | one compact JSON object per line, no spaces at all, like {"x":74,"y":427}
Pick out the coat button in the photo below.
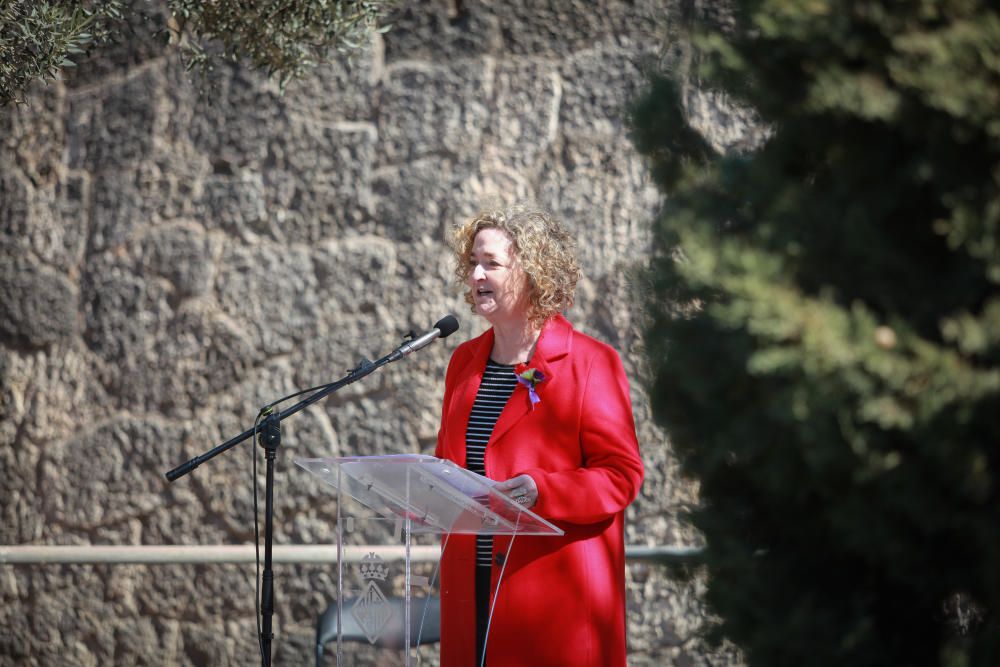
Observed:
{"x":499,"y":559}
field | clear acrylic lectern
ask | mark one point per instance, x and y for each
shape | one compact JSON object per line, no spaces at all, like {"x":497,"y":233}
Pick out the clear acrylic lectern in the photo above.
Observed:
{"x":394,"y":516}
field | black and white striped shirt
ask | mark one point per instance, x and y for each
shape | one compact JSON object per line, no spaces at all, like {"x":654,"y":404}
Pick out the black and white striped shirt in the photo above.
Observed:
{"x":498,"y":384}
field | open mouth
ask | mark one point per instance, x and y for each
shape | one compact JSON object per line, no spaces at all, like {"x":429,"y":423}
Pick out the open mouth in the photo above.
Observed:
{"x":482,"y":291}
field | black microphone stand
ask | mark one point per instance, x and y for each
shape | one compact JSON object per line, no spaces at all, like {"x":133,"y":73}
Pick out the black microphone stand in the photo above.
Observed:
{"x":270,"y":439}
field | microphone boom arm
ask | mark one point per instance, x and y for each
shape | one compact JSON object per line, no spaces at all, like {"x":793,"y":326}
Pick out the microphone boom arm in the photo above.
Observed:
{"x":443,"y":328}
{"x":364,"y":368}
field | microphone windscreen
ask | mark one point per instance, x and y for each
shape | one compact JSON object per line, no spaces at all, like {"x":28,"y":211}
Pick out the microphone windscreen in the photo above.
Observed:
{"x":447,"y":325}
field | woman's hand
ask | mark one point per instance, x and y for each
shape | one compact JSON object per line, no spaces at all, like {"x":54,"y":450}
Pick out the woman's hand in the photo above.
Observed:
{"x":522,"y":489}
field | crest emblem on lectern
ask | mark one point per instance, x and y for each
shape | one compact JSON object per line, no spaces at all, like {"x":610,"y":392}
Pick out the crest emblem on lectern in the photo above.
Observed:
{"x":371,"y":610}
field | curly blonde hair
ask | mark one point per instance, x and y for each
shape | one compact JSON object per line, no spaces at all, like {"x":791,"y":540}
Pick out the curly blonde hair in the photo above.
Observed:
{"x":542,"y":247}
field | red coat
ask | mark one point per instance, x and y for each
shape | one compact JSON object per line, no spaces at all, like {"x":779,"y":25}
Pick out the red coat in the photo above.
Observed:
{"x":562,"y":599}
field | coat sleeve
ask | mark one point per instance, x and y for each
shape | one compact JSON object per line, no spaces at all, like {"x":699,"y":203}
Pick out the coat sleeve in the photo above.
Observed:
{"x":612,"y":470}
{"x":449,"y":388}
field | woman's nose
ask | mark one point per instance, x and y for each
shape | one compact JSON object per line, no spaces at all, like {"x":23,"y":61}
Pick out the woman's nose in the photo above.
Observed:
{"x":478,"y":272}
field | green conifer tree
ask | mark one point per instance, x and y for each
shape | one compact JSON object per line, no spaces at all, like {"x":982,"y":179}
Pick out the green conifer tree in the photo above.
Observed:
{"x":825,"y":328}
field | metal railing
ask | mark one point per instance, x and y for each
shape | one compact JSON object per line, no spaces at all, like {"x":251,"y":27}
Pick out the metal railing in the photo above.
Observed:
{"x":26,"y":554}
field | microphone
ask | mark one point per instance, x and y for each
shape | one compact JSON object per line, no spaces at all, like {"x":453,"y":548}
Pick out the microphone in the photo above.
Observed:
{"x":443,"y":328}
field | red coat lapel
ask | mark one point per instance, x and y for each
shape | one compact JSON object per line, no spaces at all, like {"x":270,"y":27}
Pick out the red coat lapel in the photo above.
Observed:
{"x":553,"y":344}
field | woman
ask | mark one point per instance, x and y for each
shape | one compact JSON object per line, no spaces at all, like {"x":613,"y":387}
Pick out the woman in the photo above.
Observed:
{"x":545,"y":409}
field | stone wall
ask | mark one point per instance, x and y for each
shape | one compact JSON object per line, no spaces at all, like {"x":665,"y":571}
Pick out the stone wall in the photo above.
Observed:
{"x":171,"y":261}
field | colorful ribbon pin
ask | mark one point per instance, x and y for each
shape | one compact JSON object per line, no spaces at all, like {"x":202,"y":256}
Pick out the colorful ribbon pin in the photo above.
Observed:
{"x":531,"y":378}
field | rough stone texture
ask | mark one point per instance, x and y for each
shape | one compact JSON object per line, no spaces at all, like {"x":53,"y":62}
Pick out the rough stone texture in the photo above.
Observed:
{"x":50,"y":316}
{"x":170,"y":262}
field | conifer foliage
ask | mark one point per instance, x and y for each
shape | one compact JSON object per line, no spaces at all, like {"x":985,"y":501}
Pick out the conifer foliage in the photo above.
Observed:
{"x":825,"y":327}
